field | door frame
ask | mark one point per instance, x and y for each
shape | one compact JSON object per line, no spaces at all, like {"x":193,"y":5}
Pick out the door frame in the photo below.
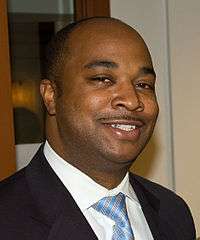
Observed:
{"x":7,"y":147}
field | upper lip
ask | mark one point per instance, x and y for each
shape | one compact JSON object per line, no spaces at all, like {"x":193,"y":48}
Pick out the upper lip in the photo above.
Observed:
{"x":137,"y":123}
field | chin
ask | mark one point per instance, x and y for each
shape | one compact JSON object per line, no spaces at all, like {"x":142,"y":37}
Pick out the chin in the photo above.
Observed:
{"x":121,"y":156}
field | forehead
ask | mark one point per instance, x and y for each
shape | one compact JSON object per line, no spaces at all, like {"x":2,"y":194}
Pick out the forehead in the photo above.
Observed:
{"x":107,"y":39}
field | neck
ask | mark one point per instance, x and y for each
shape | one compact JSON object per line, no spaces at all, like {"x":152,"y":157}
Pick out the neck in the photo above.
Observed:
{"x":107,"y":175}
{"x":109,"y":180}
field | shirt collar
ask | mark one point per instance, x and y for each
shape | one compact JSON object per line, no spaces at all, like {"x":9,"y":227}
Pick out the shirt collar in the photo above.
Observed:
{"x":83,"y":189}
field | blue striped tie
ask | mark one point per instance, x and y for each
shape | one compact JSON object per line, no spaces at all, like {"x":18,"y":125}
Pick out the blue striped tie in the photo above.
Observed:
{"x":114,"y":207}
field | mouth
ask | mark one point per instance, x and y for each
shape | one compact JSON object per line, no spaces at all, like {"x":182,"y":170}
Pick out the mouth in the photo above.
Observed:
{"x":123,"y":129}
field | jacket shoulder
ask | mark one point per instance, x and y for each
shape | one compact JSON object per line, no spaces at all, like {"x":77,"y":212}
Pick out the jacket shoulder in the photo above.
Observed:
{"x":18,"y":210}
{"x":172,"y":208}
{"x":11,"y":184}
{"x":14,"y":194}
{"x":159,"y":191}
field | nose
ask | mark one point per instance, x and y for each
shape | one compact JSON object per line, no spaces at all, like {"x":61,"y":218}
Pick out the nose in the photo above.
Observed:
{"x":126,"y":96}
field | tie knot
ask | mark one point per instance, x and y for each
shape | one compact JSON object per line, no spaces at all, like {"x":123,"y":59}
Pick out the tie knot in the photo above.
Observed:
{"x":113,"y":207}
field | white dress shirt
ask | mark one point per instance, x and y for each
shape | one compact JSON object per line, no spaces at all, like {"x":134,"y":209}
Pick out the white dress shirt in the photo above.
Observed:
{"x":87,"y":192}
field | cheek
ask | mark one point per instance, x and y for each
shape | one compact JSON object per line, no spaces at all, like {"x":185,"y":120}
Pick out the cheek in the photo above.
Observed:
{"x":151,"y":108}
{"x":92,"y":104}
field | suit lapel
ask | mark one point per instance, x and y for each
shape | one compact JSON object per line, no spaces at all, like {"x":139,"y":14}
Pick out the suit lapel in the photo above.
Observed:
{"x":160,"y":228}
{"x":57,"y":208}
{"x":70,"y":223}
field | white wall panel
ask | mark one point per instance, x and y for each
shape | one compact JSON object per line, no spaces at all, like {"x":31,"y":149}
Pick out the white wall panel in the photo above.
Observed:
{"x":184,"y":21}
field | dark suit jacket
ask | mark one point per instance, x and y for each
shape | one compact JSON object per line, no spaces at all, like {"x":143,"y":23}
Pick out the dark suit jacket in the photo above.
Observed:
{"x":35,"y":205}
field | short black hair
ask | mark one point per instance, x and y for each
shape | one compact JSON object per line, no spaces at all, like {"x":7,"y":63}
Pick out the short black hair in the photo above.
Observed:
{"x":55,"y":54}
{"x":57,"y":51}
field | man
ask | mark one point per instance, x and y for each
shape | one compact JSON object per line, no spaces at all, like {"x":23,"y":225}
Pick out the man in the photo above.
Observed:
{"x":99,"y":93}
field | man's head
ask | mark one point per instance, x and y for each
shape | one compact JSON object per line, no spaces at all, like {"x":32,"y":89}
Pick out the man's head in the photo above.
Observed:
{"x":105,"y":114}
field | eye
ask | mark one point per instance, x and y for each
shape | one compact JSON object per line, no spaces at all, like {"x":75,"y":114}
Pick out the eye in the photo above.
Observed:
{"x":145,"y":86}
{"x":103,"y":80}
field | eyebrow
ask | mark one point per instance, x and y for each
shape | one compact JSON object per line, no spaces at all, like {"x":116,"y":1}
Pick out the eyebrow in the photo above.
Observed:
{"x":147,"y":70}
{"x":101,"y":63}
{"x":111,"y":64}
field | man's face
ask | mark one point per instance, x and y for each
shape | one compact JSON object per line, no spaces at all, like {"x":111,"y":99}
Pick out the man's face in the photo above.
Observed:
{"x":108,"y":108}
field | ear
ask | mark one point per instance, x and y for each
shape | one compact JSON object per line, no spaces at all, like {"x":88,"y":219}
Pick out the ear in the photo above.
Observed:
{"x":47,"y":90}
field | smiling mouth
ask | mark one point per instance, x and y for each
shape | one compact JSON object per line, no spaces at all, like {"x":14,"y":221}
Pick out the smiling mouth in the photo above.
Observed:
{"x":124,"y":127}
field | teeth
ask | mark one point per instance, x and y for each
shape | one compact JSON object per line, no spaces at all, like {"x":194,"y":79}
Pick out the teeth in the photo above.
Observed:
{"x":124,"y":127}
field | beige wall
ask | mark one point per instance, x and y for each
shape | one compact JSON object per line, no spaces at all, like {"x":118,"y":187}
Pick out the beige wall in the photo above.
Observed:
{"x":184,"y":21}
{"x":171,"y":29}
